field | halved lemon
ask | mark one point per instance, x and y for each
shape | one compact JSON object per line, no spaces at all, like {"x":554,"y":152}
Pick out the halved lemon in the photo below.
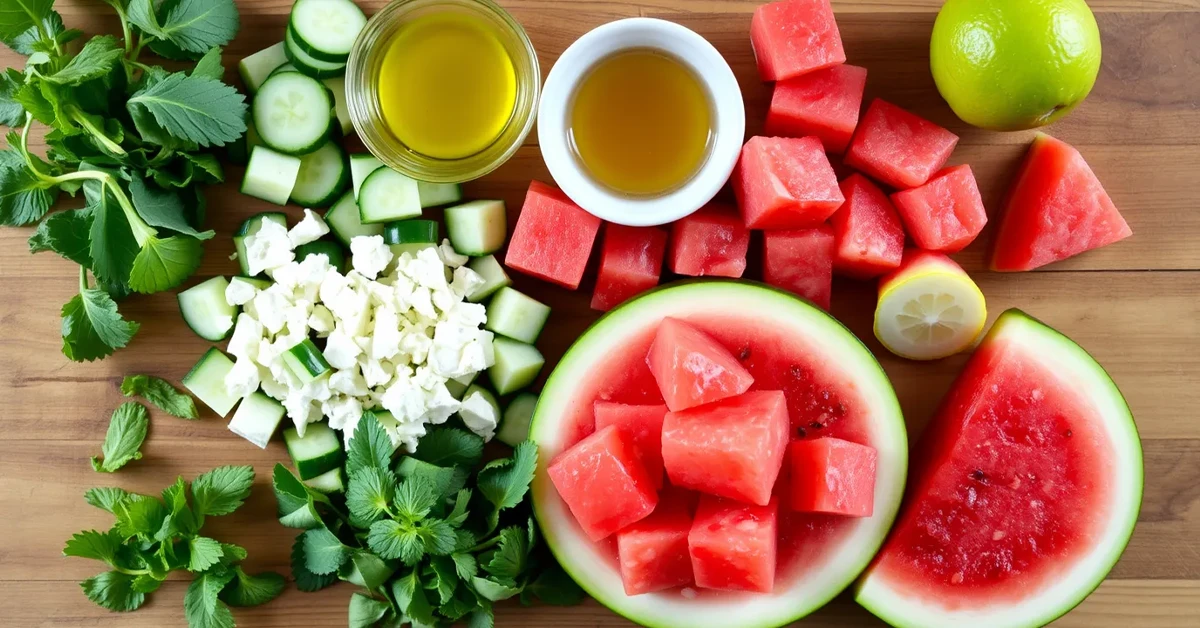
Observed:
{"x":929,"y":308}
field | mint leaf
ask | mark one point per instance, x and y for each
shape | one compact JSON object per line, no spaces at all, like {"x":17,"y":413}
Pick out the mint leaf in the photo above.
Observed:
{"x":140,"y":515}
{"x":30,"y":97}
{"x":553,"y":586}
{"x":446,"y":578}
{"x":295,"y":500}
{"x":18,"y":15}
{"x":323,"y":552}
{"x":370,"y":447}
{"x":492,"y":590}
{"x":65,"y":233}
{"x":193,"y":108}
{"x":197,"y":25}
{"x":203,"y":553}
{"x":11,"y":112}
{"x":369,"y":495}
{"x":35,"y":40}
{"x":161,"y":393}
{"x":391,"y":540}
{"x":366,"y":611}
{"x":163,"y":264}
{"x":450,"y":447}
{"x":210,"y":65}
{"x":201,"y":605}
{"x":122,"y":443}
{"x":175,"y":497}
{"x":231,"y":554}
{"x":305,"y":579}
{"x":146,"y":583}
{"x":92,"y":328}
{"x":438,"y":536}
{"x":505,"y":482}
{"x":442,"y":481}
{"x":366,"y":570}
{"x":162,"y":208}
{"x":410,"y":597}
{"x":106,"y":498}
{"x":247,"y":590}
{"x":95,"y":545}
{"x":222,"y":490}
{"x":464,"y":565}
{"x":113,"y":590}
{"x":509,"y":559}
{"x":414,"y":499}
{"x":113,"y":246}
{"x":209,"y":167}
{"x":24,"y":198}
{"x":97,"y":58}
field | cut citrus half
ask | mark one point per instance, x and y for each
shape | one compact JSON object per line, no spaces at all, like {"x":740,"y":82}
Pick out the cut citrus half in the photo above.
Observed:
{"x":929,"y":308}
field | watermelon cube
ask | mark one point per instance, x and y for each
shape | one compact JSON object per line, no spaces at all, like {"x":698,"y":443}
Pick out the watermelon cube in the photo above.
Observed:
{"x":733,"y":545}
{"x":630,"y":262}
{"x":794,"y":37}
{"x":832,"y":476}
{"x":785,"y":183}
{"x":898,"y":148}
{"x":553,"y":237}
{"x":710,"y":242}
{"x":800,"y":262}
{"x":642,"y":426}
{"x":869,"y":240}
{"x":692,"y":368}
{"x":732,"y":448}
{"x":653,"y":552}
{"x":945,"y":214}
{"x":603,"y":482}
{"x":1057,"y":208}
{"x":824,"y":104}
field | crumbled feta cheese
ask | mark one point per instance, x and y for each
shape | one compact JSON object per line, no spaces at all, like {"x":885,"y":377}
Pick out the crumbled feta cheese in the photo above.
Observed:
{"x":405,"y":400}
{"x":450,"y":257}
{"x":310,"y":229}
{"x":469,"y":314}
{"x":332,"y":286}
{"x":342,"y":410}
{"x":422,"y":303}
{"x":246,"y":336}
{"x":268,"y":248}
{"x":242,"y":380}
{"x":406,"y":435}
{"x":376,"y":372}
{"x":341,"y":350}
{"x":439,"y":404}
{"x":416,"y":346}
{"x":271,"y":305}
{"x":301,"y":411}
{"x":321,"y":320}
{"x":304,"y":278}
{"x":349,"y":382}
{"x":466,"y":282}
{"x":479,"y":415}
{"x":239,"y":291}
{"x":370,"y":255}
{"x":386,"y":338}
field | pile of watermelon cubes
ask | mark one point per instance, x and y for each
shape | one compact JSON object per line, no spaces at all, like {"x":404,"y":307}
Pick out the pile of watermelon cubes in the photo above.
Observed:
{"x":815,"y":226}
{"x":722,"y":448}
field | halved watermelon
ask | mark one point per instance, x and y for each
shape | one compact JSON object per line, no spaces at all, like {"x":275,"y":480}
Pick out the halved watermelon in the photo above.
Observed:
{"x":1025,"y":494}
{"x":787,"y":344}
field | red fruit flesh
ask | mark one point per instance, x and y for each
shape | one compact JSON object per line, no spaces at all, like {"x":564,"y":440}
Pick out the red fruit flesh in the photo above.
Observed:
{"x":793,"y":37}
{"x":642,"y":425}
{"x":785,"y":183}
{"x":832,"y":476}
{"x":946,"y":214}
{"x":868,"y":236}
{"x":711,"y":242}
{"x":801,"y":262}
{"x":603,"y":482}
{"x":630,"y":262}
{"x":824,"y":104}
{"x":553,"y":238}
{"x":692,"y":368}
{"x":897,"y":147}
{"x":733,"y":545}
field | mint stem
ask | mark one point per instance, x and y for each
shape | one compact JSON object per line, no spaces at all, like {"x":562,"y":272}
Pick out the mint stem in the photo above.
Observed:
{"x":99,"y":135}
{"x":83,"y":280}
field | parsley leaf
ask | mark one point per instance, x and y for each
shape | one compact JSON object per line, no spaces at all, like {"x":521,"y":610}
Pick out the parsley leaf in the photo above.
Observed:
{"x":438,"y":536}
{"x":222,"y":490}
{"x":369,"y":496}
{"x":113,"y":590}
{"x":210,"y":65}
{"x":162,"y":208}
{"x":366,"y":611}
{"x":106,"y":498}
{"x":446,"y":578}
{"x":175,"y":497}
{"x":140,"y":515}
{"x":95,"y":545}
{"x":392,"y":540}
{"x":414,"y":499}
{"x":18,"y":15}
{"x":97,"y":58}
{"x":37,"y":40}
{"x":197,"y":25}
{"x":11,"y":111}
{"x":370,"y":446}
{"x":161,"y":393}
{"x":509,"y":559}
{"x":492,"y":590}
{"x":248,"y":590}
{"x":505,"y":482}
{"x":305,"y":579}
{"x":201,"y":604}
{"x":323,"y":552}
{"x":122,"y":443}
{"x":146,"y":583}
{"x":464,"y":565}
{"x":65,"y":233}
{"x":163,"y":264}
{"x":450,"y":447}
{"x":194,"y":108}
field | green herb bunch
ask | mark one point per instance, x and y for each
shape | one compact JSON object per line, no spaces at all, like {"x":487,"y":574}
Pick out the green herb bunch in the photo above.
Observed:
{"x":432,"y":538}
{"x":153,"y":537}
{"x":136,"y":138}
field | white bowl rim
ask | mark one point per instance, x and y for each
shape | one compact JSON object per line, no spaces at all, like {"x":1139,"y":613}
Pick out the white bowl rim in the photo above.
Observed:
{"x":681,"y":43}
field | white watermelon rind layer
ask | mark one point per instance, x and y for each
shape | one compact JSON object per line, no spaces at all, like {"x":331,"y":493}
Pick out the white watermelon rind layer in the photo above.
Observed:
{"x":900,"y":607}
{"x":596,"y":573}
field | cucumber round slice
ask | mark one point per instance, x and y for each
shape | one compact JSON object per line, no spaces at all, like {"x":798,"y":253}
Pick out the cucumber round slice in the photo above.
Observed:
{"x":332,"y":250}
{"x":307,"y":64}
{"x":292,"y":113}
{"x":326,"y":29}
{"x":387,"y":195}
{"x":361,"y":166}
{"x":324,"y":175}
{"x":287,"y":67}
{"x":206,"y":311}
{"x":306,"y":361}
{"x":410,"y":231}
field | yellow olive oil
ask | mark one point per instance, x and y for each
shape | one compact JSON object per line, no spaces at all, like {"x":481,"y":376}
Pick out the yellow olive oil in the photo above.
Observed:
{"x":641,"y":122}
{"x":447,"y":86}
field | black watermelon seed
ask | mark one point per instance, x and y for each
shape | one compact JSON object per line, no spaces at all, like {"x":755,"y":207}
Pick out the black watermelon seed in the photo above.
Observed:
{"x":1068,"y":434}
{"x":745,"y":354}
{"x":816,"y":425}
{"x":977,"y":475}
{"x":800,"y":431}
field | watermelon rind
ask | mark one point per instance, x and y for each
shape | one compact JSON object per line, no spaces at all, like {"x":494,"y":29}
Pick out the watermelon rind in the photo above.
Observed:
{"x":597,"y":572}
{"x":1072,"y":584}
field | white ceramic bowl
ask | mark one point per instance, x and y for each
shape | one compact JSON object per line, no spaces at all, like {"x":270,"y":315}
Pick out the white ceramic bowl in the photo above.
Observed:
{"x":729,"y":116}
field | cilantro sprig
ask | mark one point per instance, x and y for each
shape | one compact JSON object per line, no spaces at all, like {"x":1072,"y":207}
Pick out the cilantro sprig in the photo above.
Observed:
{"x":154,"y":536}
{"x":133,"y":136}
{"x":433,"y":538}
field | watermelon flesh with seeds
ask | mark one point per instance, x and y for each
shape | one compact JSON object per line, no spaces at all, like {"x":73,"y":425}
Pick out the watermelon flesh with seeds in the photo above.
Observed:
{"x":734,"y":545}
{"x":692,"y":368}
{"x":946,"y":213}
{"x":785,"y":183}
{"x":631,"y":260}
{"x":605,"y":483}
{"x":794,"y":37}
{"x":1056,"y":209}
{"x":897,"y":147}
{"x":869,"y":240}
{"x":654,"y":551}
{"x":824,"y":104}
{"x":801,"y":262}
{"x":642,"y":426}
{"x":1024,"y":491}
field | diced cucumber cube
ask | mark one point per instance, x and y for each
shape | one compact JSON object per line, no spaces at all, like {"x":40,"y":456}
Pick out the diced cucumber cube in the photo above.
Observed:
{"x":256,"y":419}
{"x":516,"y":315}
{"x":494,"y":277}
{"x":329,"y":482}
{"x":315,"y":453}
{"x":206,"y":381}
{"x":306,"y":361}
{"x":270,"y":175}
{"x":515,"y":426}
{"x":206,"y":311}
{"x":517,"y":365}
{"x":477,"y":228}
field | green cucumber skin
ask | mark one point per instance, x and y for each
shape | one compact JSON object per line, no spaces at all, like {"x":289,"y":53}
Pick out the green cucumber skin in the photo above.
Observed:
{"x":410,"y":231}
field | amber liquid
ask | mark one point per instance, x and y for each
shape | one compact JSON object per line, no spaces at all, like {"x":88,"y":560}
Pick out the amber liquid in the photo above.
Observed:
{"x":641,"y":123}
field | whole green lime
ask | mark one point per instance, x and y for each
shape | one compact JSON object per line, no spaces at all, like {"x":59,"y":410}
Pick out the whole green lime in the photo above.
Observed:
{"x":1008,"y":65}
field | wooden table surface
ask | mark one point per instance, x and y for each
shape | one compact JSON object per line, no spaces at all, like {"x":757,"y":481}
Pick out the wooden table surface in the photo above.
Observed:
{"x":1134,"y":305}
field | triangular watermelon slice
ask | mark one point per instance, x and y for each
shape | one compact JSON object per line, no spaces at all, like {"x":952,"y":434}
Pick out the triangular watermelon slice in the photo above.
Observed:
{"x":1056,"y":209}
{"x":692,"y":368}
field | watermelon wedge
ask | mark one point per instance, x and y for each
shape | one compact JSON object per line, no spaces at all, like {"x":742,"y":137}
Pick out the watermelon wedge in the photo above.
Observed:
{"x":1027,"y":488}
{"x":1056,"y":209}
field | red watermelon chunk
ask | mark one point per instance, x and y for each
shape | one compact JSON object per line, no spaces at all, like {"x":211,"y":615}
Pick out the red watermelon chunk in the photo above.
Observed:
{"x":732,"y":448}
{"x":642,"y":426}
{"x":824,"y":104}
{"x":692,"y":368}
{"x":553,"y":237}
{"x":1057,"y":208}
{"x":832,"y":476}
{"x":800,"y":262}
{"x":898,"y":148}
{"x":785,"y":183}
{"x":653,"y":552}
{"x":793,"y":37}
{"x":630,"y":262}
{"x":868,"y":235}
{"x":945,"y":214}
{"x":733,"y":545}
{"x":603,"y":482}
{"x":711,"y":242}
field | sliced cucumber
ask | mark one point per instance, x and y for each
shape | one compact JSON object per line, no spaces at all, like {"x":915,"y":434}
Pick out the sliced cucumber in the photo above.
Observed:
{"x":306,"y":362}
{"x":410,"y":231}
{"x":515,"y":426}
{"x":332,"y":250}
{"x":343,"y":220}
{"x":250,"y":227}
{"x":337,"y":85}
{"x":326,"y":29}
{"x":287,"y":67}
{"x":516,"y":315}
{"x":361,"y":166}
{"x":318,"y":451}
{"x":257,"y":418}
{"x":517,"y":365}
{"x":324,"y":175}
{"x":259,"y":284}
{"x":477,"y":228}
{"x":292,"y":113}
{"x":332,"y":481}
{"x":494,"y":277}
{"x":206,"y":381}
{"x":435,"y":194}
{"x":257,"y":67}
{"x":205,"y":310}
{"x":270,"y":175}
{"x":307,"y":64}
{"x":387,"y":195}
{"x":456,"y":388}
